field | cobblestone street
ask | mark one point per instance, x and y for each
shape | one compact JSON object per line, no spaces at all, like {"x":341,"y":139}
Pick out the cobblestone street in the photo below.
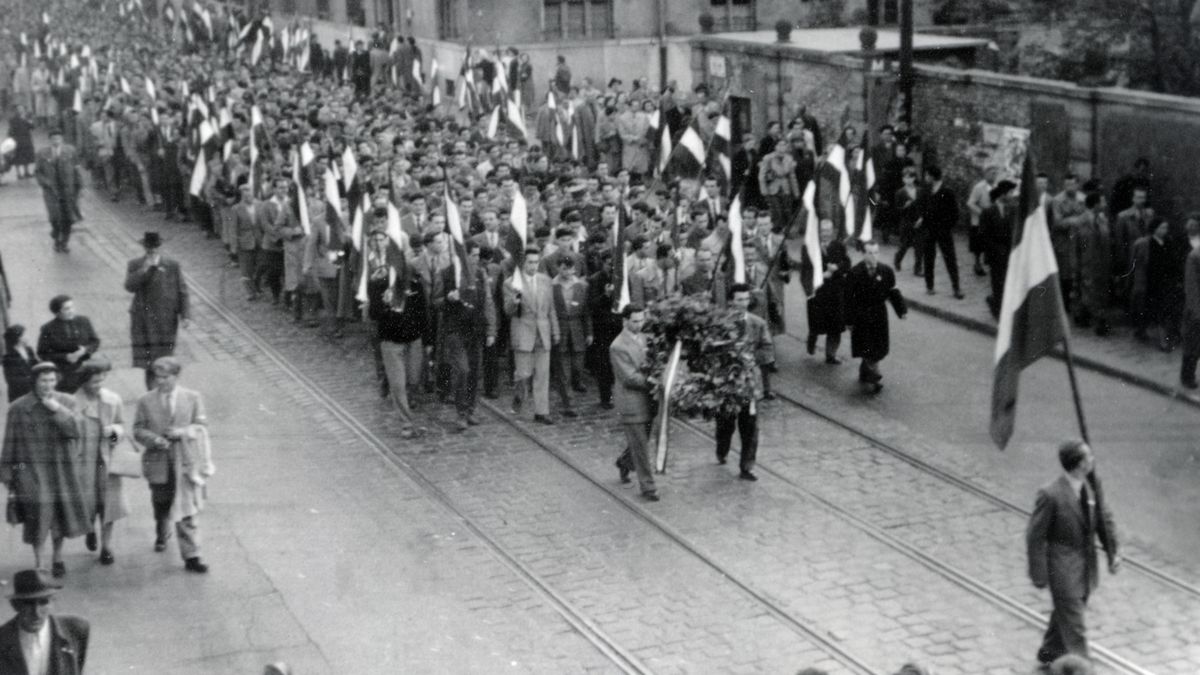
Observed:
{"x":512,"y":548}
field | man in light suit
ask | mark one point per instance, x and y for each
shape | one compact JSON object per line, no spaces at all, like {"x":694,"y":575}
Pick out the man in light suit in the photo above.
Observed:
{"x":534,"y":331}
{"x":631,"y":395}
{"x":59,"y":642}
{"x":1068,"y":517}
{"x":160,"y":305}
{"x":166,"y":418}
{"x":57,"y":172}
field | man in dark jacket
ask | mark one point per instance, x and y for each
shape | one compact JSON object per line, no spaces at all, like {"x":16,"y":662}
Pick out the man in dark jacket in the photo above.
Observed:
{"x":606,"y":326}
{"x":341,"y":61}
{"x":160,"y":305}
{"x":360,"y":70}
{"x":468,"y":324}
{"x":826,"y":305}
{"x":938,"y":216}
{"x":55,"y":645}
{"x":870,"y":287}
{"x":996,"y":225}
{"x":1191,"y":305}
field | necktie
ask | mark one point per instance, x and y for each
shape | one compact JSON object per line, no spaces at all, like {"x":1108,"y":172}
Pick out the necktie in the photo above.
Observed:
{"x":166,"y":402}
{"x":1085,"y":508}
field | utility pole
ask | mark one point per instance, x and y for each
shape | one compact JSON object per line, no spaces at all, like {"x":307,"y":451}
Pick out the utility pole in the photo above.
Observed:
{"x":906,"y":59}
{"x":660,"y":20}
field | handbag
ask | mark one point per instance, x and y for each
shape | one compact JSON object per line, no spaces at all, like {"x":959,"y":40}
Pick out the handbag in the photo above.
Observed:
{"x":126,"y":460}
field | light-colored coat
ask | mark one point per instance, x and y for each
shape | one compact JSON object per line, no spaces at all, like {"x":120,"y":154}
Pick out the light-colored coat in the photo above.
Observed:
{"x":532,"y":315}
{"x":631,"y":396}
{"x":189,"y":459}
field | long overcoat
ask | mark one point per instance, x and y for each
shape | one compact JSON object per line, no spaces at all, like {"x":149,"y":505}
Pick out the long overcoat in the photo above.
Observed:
{"x":867,"y":298}
{"x":38,"y":460}
{"x":827,"y":306}
{"x":160,"y":302}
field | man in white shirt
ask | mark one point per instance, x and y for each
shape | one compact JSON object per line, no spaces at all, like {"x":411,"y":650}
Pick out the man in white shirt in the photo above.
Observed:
{"x":34,"y":641}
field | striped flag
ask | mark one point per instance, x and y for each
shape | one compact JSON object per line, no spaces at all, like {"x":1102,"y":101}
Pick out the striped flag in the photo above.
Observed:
{"x":736,"y":251}
{"x":1032,"y":318}
{"x":837,"y":159}
{"x":670,"y":376}
{"x":458,"y":252}
{"x":255,"y":122}
{"x":866,"y":172}
{"x":721,"y":147}
{"x":812,"y":240}
{"x":493,"y":122}
{"x":516,"y":116}
{"x":301,"y":201}
{"x":688,"y":157}
{"x":349,"y":168}
{"x":333,"y":199}
{"x":519,"y":217}
{"x":620,"y":271}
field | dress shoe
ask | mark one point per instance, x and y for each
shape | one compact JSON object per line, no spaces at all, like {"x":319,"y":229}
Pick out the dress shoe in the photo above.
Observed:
{"x":606,"y":404}
{"x":874,"y":387}
{"x":721,"y":460}
{"x":194,"y":565}
{"x":579,"y":388}
{"x":543,"y":419}
{"x":461,"y":425}
{"x":746,"y":475}
{"x":833,"y":360}
{"x":90,"y":541}
{"x":768,"y":396}
{"x":516,"y":406}
{"x":958,"y":295}
{"x":811,"y":344}
{"x":979,"y":271}
{"x":623,"y":471}
{"x":58,"y":570}
{"x":650,"y":496}
{"x":1189,"y":384}
{"x":930,"y":291}
{"x":473,"y":420}
{"x":569,"y":413}
{"x":106,"y":557}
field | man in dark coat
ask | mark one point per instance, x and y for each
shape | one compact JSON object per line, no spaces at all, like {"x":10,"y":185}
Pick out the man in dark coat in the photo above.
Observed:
{"x":1068,"y":517}
{"x":1091,"y":239}
{"x":468,"y":324}
{"x":160,"y":304}
{"x":1191,"y":305}
{"x":59,"y":643}
{"x":996,"y":227}
{"x":57,"y":172}
{"x":870,"y":287}
{"x":826,"y":306}
{"x":360,"y":70}
{"x":340,"y":61}
{"x":67,"y":341}
{"x":606,"y":326}
{"x":938,"y":216}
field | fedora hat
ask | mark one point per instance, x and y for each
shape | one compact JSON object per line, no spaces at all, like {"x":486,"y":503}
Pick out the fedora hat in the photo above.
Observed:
{"x":32,"y":584}
{"x":1002,"y":188}
{"x":151,"y":240}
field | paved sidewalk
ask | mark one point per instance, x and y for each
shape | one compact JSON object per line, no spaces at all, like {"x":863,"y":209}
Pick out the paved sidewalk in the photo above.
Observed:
{"x":1119,"y":355}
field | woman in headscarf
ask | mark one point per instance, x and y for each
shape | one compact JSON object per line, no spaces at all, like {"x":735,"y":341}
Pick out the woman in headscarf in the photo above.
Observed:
{"x":19,"y":360}
{"x":20,"y":129}
{"x":38,"y":464}
{"x":102,"y":427}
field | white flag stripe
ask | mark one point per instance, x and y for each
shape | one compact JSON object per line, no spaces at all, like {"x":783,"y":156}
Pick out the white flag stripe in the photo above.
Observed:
{"x":1031,"y":263}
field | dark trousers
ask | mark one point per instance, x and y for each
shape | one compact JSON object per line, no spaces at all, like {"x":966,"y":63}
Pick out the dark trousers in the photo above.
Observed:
{"x":868,"y":371}
{"x":945,"y":243}
{"x":464,"y":374}
{"x":746,"y":423}
{"x":1066,"y":633}
{"x":910,"y":238}
{"x":999,"y":270}
{"x":60,"y":227}
{"x":566,"y":371}
{"x":161,"y":498}
{"x":1191,"y":350}
{"x":269,"y":272}
{"x":491,"y":367}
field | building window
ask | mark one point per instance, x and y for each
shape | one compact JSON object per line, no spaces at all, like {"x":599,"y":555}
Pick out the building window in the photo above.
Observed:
{"x":323,"y":11}
{"x":734,"y":15}
{"x":356,"y":13}
{"x":576,"y":18}
{"x":891,"y":11}
{"x":289,"y":6}
{"x":448,"y":19}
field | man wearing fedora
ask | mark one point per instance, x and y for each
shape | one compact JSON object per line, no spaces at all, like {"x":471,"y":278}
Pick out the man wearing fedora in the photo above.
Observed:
{"x":57,"y":172}
{"x":160,"y":305}
{"x":35,"y":642}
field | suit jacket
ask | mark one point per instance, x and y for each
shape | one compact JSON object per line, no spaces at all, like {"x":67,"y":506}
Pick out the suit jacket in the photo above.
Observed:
{"x":574,"y":319}
{"x":60,"y":182}
{"x":152,"y":420}
{"x":939,"y":211}
{"x":1061,"y":544}
{"x":473,"y":314}
{"x":18,"y":373}
{"x":249,"y":229}
{"x":996,"y":233}
{"x":160,"y":301}
{"x":532,"y":314}
{"x":68,"y":646}
{"x":1191,"y":286}
{"x":631,"y":396}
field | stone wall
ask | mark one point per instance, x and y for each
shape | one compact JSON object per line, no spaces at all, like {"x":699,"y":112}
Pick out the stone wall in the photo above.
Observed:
{"x":1093,"y":132}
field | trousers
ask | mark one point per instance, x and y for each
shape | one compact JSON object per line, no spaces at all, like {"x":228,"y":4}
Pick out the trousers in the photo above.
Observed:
{"x":943,"y":242}
{"x":746,"y":423}
{"x":568,"y":372}
{"x":187,"y":529}
{"x":532,"y":369}
{"x":464,"y":374}
{"x":637,"y":456}
{"x":402,"y":361}
{"x":1066,"y":633}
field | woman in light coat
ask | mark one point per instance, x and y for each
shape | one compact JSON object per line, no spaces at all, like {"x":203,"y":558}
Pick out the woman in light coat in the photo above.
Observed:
{"x":39,"y":84}
{"x":102,"y":429}
{"x":632,"y":127}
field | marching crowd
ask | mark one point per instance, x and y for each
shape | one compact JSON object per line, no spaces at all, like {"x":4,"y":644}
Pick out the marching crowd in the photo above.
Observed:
{"x":483,"y":245}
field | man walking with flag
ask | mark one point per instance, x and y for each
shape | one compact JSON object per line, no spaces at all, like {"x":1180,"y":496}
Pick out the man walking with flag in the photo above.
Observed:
{"x":870,"y":287}
{"x":1061,"y":541}
{"x":632,"y":397}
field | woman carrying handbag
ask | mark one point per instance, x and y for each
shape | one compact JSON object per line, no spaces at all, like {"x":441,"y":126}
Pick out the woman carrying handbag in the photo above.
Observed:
{"x":108,"y":456}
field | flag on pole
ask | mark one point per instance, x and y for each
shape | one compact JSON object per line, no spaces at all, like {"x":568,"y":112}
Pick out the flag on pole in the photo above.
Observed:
{"x":416,"y":72}
{"x":687,"y":158}
{"x":199,"y":174}
{"x":670,"y":375}
{"x":333,"y":199}
{"x":866,"y":169}
{"x":519,"y":216}
{"x":255,"y":122}
{"x":257,"y":50}
{"x":837,"y":159}
{"x":77,"y":104}
{"x":394,"y":230}
{"x":1032,"y":318}
{"x":737,"y":252}
{"x":301,"y":202}
{"x":151,"y":91}
{"x":349,"y":168}
{"x":812,"y":240}
{"x":620,"y":270}
{"x":357,"y":230}
{"x":458,"y":253}
{"x":516,"y":116}
{"x":359,"y":235}
{"x":493,"y":122}
{"x":125,"y":87}
{"x":721,"y":147}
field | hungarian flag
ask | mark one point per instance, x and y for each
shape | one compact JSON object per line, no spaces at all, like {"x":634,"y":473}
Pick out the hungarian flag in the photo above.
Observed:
{"x":458,"y":252}
{"x":865,"y":167}
{"x":255,"y":122}
{"x":687,"y":159}
{"x":1032,"y":318}
{"x":300,"y":203}
{"x":837,"y":159}
{"x":620,"y":271}
{"x":663,"y":423}
{"x":721,"y":147}
{"x":812,"y":241}
{"x":349,"y":168}
{"x":736,"y":252}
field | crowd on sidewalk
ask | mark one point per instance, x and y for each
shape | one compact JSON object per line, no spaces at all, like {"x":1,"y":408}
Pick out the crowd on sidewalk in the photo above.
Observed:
{"x":483,"y":245}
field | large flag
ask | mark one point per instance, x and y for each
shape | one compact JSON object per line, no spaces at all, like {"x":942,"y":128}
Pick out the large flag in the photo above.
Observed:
{"x":866,"y":173}
{"x":687,"y":159}
{"x":349,"y":168}
{"x":301,"y":202}
{"x":333,"y":199}
{"x":812,"y":240}
{"x":515,"y":114}
{"x":837,"y":159}
{"x":736,"y":252}
{"x":493,"y":122}
{"x":519,"y":217}
{"x":620,"y":271}
{"x":1032,"y":318}
{"x":255,"y":122}
{"x":670,"y":376}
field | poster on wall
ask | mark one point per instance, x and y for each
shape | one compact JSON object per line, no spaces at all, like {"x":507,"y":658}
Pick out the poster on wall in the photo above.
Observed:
{"x":1004,"y":147}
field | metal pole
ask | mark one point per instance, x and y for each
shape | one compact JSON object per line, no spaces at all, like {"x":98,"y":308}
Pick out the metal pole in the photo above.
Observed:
{"x":906,"y":58}
{"x":661,"y":21}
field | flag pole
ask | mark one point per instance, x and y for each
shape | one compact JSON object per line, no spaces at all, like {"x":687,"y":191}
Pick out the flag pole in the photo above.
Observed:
{"x":1083,"y":427}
